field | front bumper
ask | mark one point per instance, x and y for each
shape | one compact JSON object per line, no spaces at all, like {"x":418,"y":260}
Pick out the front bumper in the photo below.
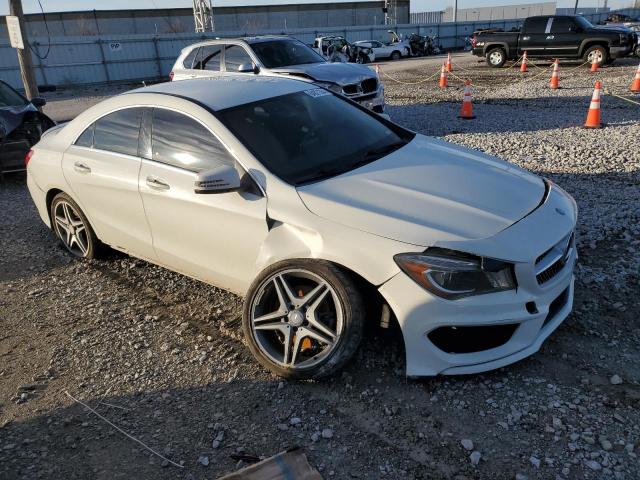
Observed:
{"x":620,"y":52}
{"x":497,"y":329}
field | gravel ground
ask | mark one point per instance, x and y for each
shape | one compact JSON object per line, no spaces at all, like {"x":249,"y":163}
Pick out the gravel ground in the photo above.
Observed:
{"x":161,"y":356}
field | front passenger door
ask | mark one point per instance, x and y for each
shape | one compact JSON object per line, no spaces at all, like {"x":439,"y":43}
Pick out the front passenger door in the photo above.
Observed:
{"x":234,"y":57}
{"x":216,"y":237}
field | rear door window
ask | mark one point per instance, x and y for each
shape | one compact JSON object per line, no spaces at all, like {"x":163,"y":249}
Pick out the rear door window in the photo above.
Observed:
{"x":181,"y":141}
{"x":86,"y":139}
{"x":535,"y":25}
{"x":190,"y":60}
{"x":234,"y":56}
{"x":119,"y":131}
{"x":209,"y":58}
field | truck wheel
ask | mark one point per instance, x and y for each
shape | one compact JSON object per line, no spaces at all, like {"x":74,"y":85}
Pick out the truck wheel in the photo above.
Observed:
{"x":496,"y":57}
{"x":596,"y":53}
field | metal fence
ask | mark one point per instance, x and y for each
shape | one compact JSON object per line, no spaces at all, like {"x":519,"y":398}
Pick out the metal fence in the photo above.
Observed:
{"x":94,"y":59}
{"x":426,"y":17}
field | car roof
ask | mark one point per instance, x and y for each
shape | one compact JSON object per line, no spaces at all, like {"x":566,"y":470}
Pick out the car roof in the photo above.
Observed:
{"x":248,"y":40}
{"x":218,"y":93}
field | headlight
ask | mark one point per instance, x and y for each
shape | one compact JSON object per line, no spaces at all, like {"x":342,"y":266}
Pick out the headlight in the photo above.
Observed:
{"x":334,"y":87}
{"x":452,"y":275}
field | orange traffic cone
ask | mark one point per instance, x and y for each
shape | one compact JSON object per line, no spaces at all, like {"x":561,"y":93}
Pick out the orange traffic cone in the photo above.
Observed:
{"x":466,"y":112}
{"x":555,"y":76}
{"x":593,"y":116}
{"x":449,"y":64}
{"x":594,"y":65}
{"x":443,"y":76}
{"x":635,"y":85}
{"x":523,"y":65}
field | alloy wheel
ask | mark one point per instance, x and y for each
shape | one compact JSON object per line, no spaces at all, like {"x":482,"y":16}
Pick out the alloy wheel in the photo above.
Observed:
{"x":71,"y":229}
{"x":595,"y":56}
{"x":495,"y":58}
{"x":296,"y":318}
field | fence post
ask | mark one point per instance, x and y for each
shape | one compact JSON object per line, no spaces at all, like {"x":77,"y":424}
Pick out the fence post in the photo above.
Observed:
{"x":104,"y":59}
{"x":158,"y":61}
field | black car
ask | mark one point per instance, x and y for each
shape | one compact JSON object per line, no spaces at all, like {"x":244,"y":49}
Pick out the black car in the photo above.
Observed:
{"x":556,"y":36}
{"x":21,"y":125}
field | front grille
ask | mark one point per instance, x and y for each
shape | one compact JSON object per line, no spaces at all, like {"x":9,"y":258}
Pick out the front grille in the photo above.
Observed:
{"x":366,"y":87}
{"x":551,"y":262}
{"x":459,"y":340}
{"x":351,"y":89}
{"x":369,"y":85}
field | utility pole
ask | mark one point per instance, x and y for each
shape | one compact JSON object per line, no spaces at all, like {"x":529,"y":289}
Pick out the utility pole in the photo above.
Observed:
{"x":24,"y":54}
{"x":575,"y":9}
{"x":455,"y":10}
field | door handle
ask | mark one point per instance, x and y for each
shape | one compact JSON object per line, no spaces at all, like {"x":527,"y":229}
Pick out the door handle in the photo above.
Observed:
{"x":551,"y":37}
{"x":157,"y":184}
{"x":81,"y":167}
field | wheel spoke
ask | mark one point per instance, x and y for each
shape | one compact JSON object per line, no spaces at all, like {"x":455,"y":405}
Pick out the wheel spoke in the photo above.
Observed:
{"x":307,"y":332}
{"x":271,"y":326}
{"x":287,"y":290}
{"x":296,"y":348}
{"x":81,"y":244}
{"x":321,"y":290}
{"x":313,"y":319}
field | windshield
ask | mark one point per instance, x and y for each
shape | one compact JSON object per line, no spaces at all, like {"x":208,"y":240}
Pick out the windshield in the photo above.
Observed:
{"x":583,"y":22}
{"x":284,"y":53}
{"x":309,"y":136}
{"x":9,"y":97}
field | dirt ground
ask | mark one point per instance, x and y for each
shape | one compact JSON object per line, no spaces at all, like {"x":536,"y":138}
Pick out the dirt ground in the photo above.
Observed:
{"x":162,"y":358}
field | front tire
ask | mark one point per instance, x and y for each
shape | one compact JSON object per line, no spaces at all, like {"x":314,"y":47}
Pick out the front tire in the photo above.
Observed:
{"x":395,"y":55}
{"x":303,"y":319}
{"x":598,"y":53}
{"x":72,"y":228}
{"x":496,"y":57}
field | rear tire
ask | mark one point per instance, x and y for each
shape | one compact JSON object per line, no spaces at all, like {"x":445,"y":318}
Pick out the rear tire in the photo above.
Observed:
{"x":303,"y":319}
{"x":596,"y":52}
{"x":496,"y":57}
{"x":72,"y":228}
{"x":396,"y":55}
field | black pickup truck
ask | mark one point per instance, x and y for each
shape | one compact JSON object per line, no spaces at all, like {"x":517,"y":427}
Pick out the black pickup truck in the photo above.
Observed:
{"x":556,"y":36}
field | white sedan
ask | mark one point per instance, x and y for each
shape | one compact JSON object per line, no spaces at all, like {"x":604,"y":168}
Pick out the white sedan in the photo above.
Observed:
{"x":324,"y":215}
{"x":394,"y":51}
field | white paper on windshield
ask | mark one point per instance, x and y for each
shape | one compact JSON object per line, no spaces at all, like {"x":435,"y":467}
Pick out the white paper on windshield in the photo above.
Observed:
{"x":317,"y":92}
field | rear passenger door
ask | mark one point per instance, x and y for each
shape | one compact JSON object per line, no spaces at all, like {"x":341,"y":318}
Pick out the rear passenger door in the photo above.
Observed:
{"x":564,"y":41}
{"x":533,"y":38}
{"x":185,"y":69}
{"x":102,"y":169}
{"x":215,"y":238}
{"x":236,"y":56}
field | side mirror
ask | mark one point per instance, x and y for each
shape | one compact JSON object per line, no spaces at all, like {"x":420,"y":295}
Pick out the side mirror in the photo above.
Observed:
{"x":38,"y":102}
{"x":223,"y":179}
{"x":248,"y":68}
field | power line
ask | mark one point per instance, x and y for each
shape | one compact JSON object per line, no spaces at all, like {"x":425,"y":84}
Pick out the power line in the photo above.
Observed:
{"x":46,"y":25}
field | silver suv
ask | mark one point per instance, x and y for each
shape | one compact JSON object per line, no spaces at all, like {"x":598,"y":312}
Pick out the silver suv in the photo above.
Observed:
{"x":279,"y":56}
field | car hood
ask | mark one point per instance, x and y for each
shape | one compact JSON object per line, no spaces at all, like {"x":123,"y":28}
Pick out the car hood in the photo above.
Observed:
{"x":612,"y":28}
{"x":12,"y":117}
{"x":340,"y":73}
{"x":428,"y":191}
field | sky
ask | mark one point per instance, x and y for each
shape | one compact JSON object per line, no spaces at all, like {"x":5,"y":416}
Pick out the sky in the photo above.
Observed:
{"x":31,"y":6}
